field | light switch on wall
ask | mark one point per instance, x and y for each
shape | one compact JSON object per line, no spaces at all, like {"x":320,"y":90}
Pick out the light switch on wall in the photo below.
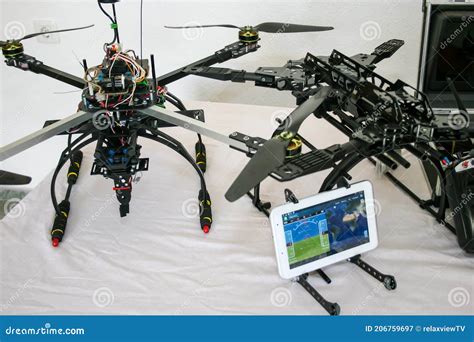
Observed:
{"x":45,"y":25}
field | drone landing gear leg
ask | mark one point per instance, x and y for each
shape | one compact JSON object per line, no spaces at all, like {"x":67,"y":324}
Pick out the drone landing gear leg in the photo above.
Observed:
{"x":200,"y":148}
{"x":74,"y":154}
{"x":60,"y":222}
{"x":201,"y":158}
{"x":257,"y":202}
{"x":427,"y":205}
{"x":205,"y":216}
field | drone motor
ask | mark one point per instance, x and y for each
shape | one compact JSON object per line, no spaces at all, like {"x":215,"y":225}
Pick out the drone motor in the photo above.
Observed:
{"x":248,"y":35}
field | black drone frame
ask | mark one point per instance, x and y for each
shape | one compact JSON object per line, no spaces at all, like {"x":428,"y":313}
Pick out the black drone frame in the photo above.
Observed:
{"x":386,"y":118}
{"x":144,"y":116}
{"x":343,"y":74}
{"x":151,"y":122}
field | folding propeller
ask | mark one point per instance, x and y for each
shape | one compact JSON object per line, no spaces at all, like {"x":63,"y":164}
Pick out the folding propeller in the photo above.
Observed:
{"x":270,"y":27}
{"x":10,"y":178}
{"x":272,"y":153}
{"x":31,"y":35}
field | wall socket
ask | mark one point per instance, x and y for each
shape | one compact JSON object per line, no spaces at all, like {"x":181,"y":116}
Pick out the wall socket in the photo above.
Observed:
{"x":44,"y":25}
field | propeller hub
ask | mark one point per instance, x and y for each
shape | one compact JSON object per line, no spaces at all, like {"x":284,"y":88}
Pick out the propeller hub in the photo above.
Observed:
{"x":286,"y":135}
{"x":294,"y":148}
{"x":12,"y":49}
{"x":248,"y":35}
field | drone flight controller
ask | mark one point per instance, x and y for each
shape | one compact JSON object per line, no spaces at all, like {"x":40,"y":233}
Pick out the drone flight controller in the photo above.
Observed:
{"x":119,"y":83}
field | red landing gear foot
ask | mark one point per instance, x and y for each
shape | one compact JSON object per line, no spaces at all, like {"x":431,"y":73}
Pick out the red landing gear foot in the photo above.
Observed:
{"x":206,"y":229}
{"x":55,"y":242}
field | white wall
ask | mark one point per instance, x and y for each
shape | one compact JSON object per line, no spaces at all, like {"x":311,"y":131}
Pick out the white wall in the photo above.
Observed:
{"x":27,"y":100}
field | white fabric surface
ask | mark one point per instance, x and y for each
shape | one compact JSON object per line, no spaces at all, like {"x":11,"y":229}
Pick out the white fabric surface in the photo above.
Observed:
{"x":157,"y":260}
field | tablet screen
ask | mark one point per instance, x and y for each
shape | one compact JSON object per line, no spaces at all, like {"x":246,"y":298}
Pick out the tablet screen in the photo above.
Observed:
{"x":325,"y":229}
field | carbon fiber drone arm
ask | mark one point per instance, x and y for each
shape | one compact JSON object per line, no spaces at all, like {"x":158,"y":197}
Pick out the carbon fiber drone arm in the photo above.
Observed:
{"x":29,"y":63}
{"x":292,"y":76}
{"x":234,"y":50}
{"x":282,"y":78}
{"x":381,"y":52}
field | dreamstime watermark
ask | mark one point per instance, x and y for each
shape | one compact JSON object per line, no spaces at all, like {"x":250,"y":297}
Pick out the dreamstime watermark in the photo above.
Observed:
{"x":381,"y":109}
{"x":459,"y":296}
{"x":102,"y":120}
{"x":458,"y":120}
{"x":466,"y":21}
{"x":99,"y":211}
{"x":14,"y":208}
{"x":191,"y":208}
{"x":103,"y":297}
{"x":464,"y":202}
{"x":373,"y":208}
{"x":193,"y":33}
{"x":47,"y":329}
{"x":281,"y":297}
{"x":195,"y":293}
{"x":16,"y":295}
{"x":14,"y":30}
{"x":370,"y":30}
{"x":373,"y":294}
{"x":283,"y":28}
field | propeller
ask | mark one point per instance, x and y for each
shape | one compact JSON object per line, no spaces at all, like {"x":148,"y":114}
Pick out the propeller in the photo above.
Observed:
{"x":31,"y":35}
{"x":10,"y":178}
{"x":272,"y":153}
{"x":270,"y":27}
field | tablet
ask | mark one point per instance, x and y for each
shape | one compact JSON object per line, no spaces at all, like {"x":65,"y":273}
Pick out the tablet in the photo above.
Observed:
{"x":323,"y":229}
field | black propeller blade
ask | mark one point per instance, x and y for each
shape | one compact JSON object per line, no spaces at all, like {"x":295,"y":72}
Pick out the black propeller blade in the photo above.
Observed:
{"x":293,"y":121}
{"x":31,"y":35}
{"x":270,"y":27}
{"x":199,"y":26}
{"x":272,"y":153}
{"x":268,"y":157}
{"x":273,"y":27}
{"x":10,"y":178}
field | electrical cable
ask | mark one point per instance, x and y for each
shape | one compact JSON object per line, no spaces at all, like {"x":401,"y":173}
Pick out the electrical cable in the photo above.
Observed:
{"x":181,"y":104}
{"x":62,"y":160}
{"x":141,"y":29}
{"x":115,"y":26}
{"x":111,"y":20}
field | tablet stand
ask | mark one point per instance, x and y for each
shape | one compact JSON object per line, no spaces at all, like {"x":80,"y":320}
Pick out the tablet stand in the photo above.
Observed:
{"x":333,"y":308}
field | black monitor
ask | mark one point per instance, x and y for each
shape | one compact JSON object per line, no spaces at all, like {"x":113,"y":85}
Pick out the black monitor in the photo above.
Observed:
{"x":448,"y":52}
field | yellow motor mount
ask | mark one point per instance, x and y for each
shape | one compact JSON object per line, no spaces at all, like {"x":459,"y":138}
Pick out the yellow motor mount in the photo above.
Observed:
{"x":12,"y":49}
{"x":295,"y":145}
{"x":248,"y":35}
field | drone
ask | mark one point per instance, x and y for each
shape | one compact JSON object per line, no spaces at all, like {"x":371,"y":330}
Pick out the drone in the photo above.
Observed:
{"x":379,"y":117}
{"x":123,"y":100}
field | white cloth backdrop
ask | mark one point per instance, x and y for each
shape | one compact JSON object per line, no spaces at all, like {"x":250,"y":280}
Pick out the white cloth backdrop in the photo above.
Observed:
{"x":157,"y":260}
